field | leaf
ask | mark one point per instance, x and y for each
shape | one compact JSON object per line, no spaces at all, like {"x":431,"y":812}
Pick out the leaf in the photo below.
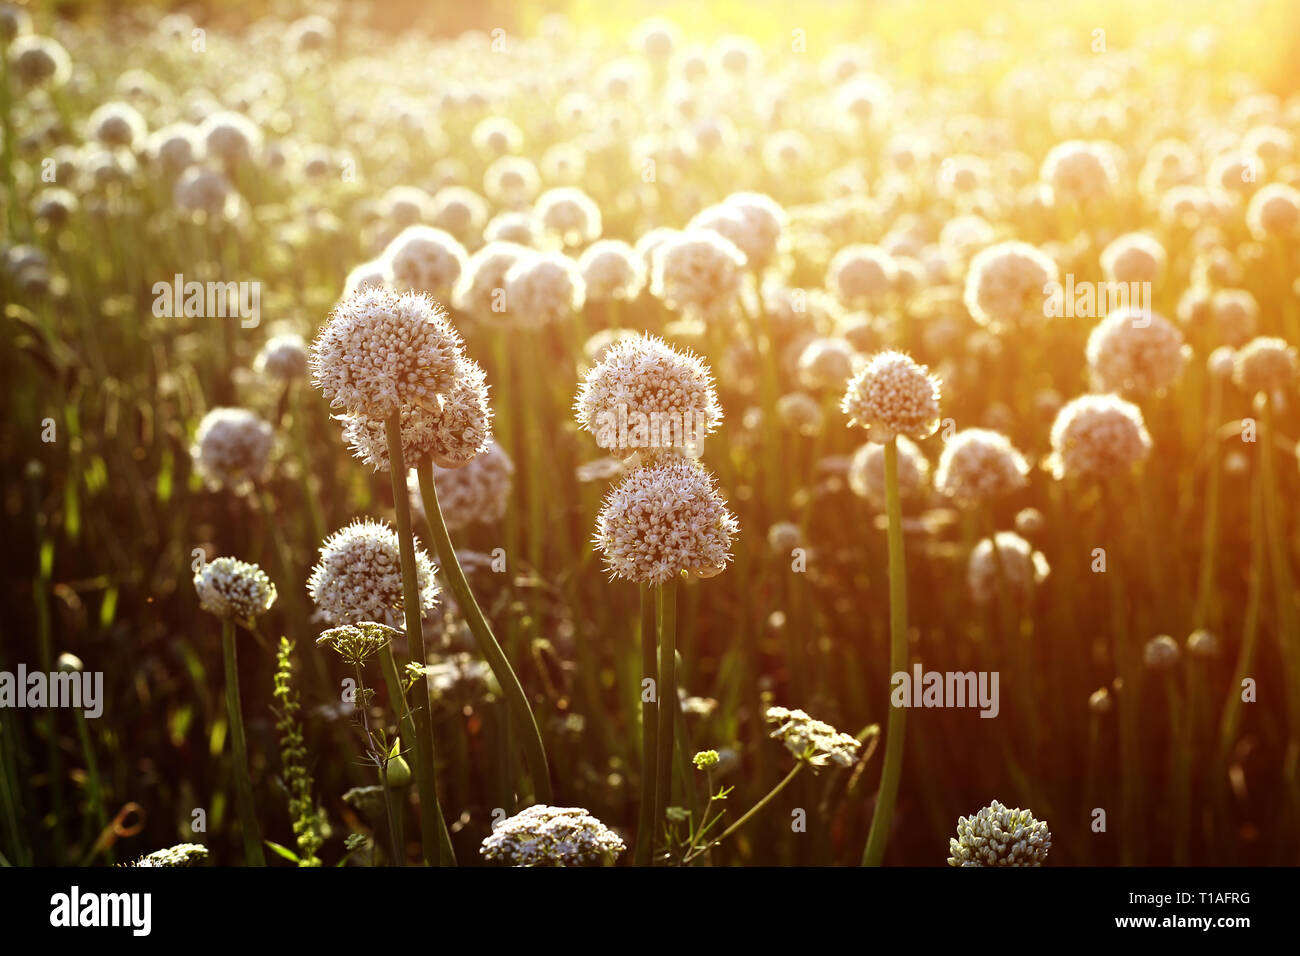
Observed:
{"x":284,"y":851}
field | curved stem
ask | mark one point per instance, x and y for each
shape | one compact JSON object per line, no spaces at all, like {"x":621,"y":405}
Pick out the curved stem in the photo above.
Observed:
{"x":253,"y":855}
{"x":799,"y":765}
{"x":645,"y":830}
{"x":425,"y":770}
{"x":521,"y":712}
{"x":878,"y":836}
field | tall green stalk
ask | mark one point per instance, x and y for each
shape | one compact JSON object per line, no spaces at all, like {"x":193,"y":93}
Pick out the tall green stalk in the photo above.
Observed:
{"x":253,"y":855}
{"x":666,"y":692}
{"x":878,"y":836}
{"x":521,"y":712}
{"x":645,"y":829}
{"x":425,"y":771}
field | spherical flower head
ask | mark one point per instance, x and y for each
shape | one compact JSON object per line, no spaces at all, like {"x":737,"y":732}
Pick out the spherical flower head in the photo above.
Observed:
{"x":1203,"y":644}
{"x":552,"y":836}
{"x":569,"y":215}
{"x":234,"y":590}
{"x":801,"y":413}
{"x":1014,"y":568}
{"x":1079,"y":171}
{"x":752,"y":221}
{"x":1274,"y":212}
{"x":826,"y":363}
{"x":1007,"y":285}
{"x":372,"y":275}
{"x":511,"y":226}
{"x":611,"y":270}
{"x":1222,"y":362}
{"x":646,"y":397}
{"x":476,"y":492}
{"x":542,"y":288}
{"x":232,"y":448}
{"x":230,"y":137}
{"x":866,"y":475}
{"x":998,"y":836}
{"x":861,"y":274}
{"x":784,"y":536}
{"x":117,"y":124}
{"x":511,"y":180}
{"x":405,"y":205}
{"x":663,"y":520}
{"x":1098,"y":436}
{"x":1136,"y":353}
{"x":892,"y":396}
{"x":383,"y":351}
{"x":813,"y":741}
{"x":284,"y":357}
{"x":697,"y":271}
{"x":497,"y":135}
{"x":39,"y":61}
{"x":1161,"y":653}
{"x":204,"y":190}
{"x":359,"y":576}
{"x":460,"y":211}
{"x":424,"y":259}
{"x":451,"y":433}
{"x":480,"y":290}
{"x":1236,"y":315}
{"x":978,"y":465}
{"x":1134,"y":257}
{"x":1265,"y":364}
{"x":173,"y":147}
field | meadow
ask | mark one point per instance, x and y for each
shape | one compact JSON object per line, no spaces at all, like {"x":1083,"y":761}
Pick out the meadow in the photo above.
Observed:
{"x":614,"y":440}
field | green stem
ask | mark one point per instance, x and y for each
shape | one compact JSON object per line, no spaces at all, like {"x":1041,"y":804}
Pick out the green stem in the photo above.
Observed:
{"x":393,"y":680}
{"x":521,"y":712}
{"x":239,"y":750}
{"x":94,"y":792}
{"x":785,"y":781}
{"x":874,"y":852}
{"x":666,"y":692}
{"x":649,"y":732}
{"x":425,"y":771}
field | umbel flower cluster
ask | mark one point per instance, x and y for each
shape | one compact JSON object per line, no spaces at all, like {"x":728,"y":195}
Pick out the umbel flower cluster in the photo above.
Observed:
{"x":552,"y":836}
{"x":182,"y":854}
{"x":997,"y":836}
{"x":893,"y":396}
{"x":234,"y":590}
{"x":812,"y":740}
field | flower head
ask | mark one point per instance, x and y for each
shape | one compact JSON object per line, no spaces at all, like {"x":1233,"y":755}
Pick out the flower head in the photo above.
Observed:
{"x":359,"y":576}
{"x":1015,"y":566}
{"x":978,"y":464}
{"x":231,"y":448}
{"x":475,"y":492}
{"x":1098,"y":436}
{"x":568,"y":214}
{"x":611,"y":269}
{"x":697,"y":271}
{"x":1265,"y":365}
{"x":1135,"y":353}
{"x":542,"y":288}
{"x":357,"y":643}
{"x":424,"y":259}
{"x":997,"y":836}
{"x":861,"y":274}
{"x":866,"y":473}
{"x":891,"y":396}
{"x":647,"y":397}
{"x":1006,"y":285}
{"x":182,"y":854}
{"x":451,"y":434}
{"x":234,"y":590}
{"x":382,"y":351}
{"x":283,"y":357}
{"x":552,"y":836}
{"x":663,"y":520}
